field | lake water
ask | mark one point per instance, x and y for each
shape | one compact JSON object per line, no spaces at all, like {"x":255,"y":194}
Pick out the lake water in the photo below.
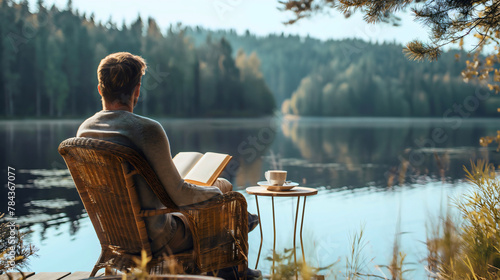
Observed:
{"x":370,"y":173}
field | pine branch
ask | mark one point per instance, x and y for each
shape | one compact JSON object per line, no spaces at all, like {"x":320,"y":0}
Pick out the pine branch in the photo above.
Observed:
{"x":416,"y":50}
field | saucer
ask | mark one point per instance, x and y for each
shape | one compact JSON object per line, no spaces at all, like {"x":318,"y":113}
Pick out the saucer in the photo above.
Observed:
{"x":287,"y":186}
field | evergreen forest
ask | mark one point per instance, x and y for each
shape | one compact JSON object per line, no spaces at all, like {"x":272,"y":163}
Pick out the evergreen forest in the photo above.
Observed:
{"x":49,"y":60}
{"x":49,"y":57}
{"x":351,"y":77}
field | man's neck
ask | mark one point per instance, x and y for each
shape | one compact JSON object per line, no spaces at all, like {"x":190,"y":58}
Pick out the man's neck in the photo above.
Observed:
{"x":117,"y":107}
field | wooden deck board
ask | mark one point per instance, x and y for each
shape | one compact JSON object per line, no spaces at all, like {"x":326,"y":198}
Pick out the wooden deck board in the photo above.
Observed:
{"x":16,"y":275}
{"x":78,"y":275}
{"x":49,"y":276}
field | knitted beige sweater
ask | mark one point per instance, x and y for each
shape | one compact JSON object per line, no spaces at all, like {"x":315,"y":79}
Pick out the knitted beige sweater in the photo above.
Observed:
{"x":149,"y":137}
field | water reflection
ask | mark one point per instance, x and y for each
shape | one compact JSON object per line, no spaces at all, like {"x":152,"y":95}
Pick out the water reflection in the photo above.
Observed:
{"x":372,"y":155}
{"x":45,"y":191}
{"x":364,"y":152}
{"x":334,"y":153}
{"x":239,"y":138}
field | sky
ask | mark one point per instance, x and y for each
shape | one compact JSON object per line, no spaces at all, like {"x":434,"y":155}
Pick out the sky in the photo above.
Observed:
{"x":260,"y":17}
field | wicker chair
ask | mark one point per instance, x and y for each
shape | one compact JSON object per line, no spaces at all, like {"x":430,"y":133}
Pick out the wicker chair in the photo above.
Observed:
{"x":103,"y":174}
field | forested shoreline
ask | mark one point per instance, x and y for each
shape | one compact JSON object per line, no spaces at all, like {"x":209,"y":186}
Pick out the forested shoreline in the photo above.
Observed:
{"x":48,"y":61}
{"x":351,"y":77}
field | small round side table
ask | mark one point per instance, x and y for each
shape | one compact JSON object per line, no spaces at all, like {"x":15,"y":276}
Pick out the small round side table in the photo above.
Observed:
{"x":295,"y":192}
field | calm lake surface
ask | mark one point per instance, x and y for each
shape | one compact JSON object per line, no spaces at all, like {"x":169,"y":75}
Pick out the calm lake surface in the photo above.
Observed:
{"x":370,"y":173}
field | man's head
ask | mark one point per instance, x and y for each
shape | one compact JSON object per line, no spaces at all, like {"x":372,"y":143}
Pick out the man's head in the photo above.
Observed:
{"x":119,"y":75}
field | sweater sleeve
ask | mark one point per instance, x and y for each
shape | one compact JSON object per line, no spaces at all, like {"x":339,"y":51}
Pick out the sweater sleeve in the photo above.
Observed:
{"x":156,"y":148}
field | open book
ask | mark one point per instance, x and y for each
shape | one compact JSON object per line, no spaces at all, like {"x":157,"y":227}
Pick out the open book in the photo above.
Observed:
{"x":200,"y":169}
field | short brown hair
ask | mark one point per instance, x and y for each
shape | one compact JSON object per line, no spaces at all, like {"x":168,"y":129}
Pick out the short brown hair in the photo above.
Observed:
{"x":118,"y":75}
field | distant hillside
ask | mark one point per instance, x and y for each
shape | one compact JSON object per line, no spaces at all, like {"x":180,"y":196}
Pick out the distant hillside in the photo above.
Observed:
{"x":356,"y":78}
{"x":48,"y":63}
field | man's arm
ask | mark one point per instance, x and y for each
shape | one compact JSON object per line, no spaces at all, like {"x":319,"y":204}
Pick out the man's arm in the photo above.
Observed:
{"x":156,"y":148}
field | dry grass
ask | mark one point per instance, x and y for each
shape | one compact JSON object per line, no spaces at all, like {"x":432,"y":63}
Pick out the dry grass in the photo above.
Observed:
{"x":12,"y":238}
{"x":471,"y":250}
{"x":465,"y":250}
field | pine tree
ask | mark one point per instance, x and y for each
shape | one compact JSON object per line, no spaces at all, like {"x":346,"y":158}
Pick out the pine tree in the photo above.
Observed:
{"x":450,"y":22}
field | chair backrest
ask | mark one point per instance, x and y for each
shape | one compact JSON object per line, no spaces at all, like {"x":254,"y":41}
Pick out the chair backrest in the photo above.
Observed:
{"x":103,"y":174}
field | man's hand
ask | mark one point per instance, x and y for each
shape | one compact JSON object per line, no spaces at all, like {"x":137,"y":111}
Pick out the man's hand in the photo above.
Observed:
{"x":223,"y":184}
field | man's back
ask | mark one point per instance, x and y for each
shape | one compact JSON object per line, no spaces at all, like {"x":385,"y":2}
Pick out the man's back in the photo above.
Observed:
{"x":148,"y":137}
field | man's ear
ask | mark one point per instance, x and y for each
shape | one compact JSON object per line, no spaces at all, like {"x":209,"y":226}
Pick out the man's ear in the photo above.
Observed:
{"x":137,"y":90}
{"x":99,"y":90}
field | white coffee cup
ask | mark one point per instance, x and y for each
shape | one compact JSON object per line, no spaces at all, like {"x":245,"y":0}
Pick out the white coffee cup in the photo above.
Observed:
{"x":276,"y":177}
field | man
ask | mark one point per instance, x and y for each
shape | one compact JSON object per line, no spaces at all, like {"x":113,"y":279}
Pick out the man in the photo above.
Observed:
{"x":119,"y":76}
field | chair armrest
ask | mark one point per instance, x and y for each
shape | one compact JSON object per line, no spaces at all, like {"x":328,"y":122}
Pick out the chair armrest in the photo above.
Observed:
{"x":219,"y":227}
{"x":214,"y":201}
{"x":155,"y":212}
{"x":220,"y":230}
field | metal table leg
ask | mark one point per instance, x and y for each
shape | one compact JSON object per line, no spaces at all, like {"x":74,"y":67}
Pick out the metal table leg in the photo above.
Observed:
{"x":301,"y":226}
{"x":274,"y":230}
{"x":261,"y":235}
{"x":294,"y":237}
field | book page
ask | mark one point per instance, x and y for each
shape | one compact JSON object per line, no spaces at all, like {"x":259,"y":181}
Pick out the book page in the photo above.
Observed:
{"x":184,"y":161}
{"x":207,"y":169}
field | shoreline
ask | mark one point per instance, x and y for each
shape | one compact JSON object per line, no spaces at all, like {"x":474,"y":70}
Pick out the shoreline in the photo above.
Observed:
{"x":285,"y":117}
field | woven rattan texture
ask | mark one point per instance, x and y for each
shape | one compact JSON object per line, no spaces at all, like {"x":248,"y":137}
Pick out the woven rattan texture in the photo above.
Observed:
{"x":103,"y":173}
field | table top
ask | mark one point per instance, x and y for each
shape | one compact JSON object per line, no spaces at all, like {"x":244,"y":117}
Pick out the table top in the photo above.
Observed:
{"x":296,"y":191}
